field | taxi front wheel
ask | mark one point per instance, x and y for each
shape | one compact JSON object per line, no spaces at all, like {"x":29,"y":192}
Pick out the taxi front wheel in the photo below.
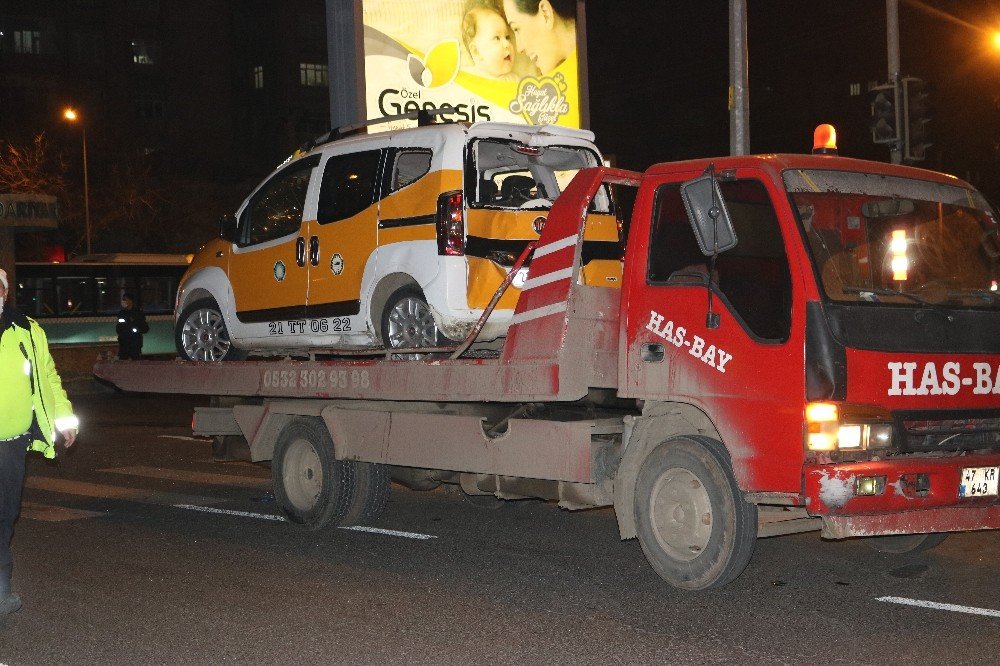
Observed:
{"x":201,"y":334}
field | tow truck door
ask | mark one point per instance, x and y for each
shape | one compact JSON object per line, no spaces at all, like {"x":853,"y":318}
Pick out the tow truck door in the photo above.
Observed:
{"x":746,"y":373}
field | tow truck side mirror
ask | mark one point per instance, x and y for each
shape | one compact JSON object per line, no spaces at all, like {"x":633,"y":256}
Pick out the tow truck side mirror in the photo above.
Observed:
{"x":708,"y":214}
{"x":227,"y":227}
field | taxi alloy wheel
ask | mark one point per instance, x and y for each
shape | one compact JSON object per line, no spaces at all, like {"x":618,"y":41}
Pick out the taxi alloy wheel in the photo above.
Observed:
{"x":407,"y":323}
{"x":202,"y":335}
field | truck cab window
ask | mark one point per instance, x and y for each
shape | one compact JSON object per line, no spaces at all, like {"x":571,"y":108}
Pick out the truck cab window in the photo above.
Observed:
{"x":753,"y":277}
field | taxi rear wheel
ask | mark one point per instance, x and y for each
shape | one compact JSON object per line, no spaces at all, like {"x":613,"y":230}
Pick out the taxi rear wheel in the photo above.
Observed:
{"x":201,"y":334}
{"x":407,"y":323}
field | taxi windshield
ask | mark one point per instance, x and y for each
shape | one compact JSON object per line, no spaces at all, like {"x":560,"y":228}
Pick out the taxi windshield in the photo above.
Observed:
{"x":898,"y":241}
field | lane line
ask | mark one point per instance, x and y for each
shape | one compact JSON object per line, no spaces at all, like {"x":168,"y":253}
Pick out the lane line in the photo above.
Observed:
{"x":191,"y":476}
{"x":268,"y":516}
{"x":185,"y":438}
{"x":379,"y":530}
{"x":230,"y":512}
{"x":955,"y":608}
{"x":50,"y":513}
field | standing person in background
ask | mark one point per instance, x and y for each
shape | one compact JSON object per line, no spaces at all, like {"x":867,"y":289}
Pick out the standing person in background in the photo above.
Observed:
{"x":131,"y":327}
{"x":33,"y":407}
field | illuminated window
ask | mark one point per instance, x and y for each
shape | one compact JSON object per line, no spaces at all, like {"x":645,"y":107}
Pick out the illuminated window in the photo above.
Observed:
{"x":28,"y":41}
{"x":311,"y":74}
{"x":145,"y":52}
{"x":258,"y":77}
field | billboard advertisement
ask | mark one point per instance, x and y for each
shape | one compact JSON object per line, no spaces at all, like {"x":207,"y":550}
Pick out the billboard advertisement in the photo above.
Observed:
{"x":501,"y":60}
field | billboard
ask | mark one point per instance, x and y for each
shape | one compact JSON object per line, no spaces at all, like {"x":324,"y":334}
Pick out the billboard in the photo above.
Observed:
{"x":519,"y":61}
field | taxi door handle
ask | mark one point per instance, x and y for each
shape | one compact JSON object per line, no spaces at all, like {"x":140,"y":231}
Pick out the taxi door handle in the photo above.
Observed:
{"x":314,"y":250}
{"x":300,"y":251}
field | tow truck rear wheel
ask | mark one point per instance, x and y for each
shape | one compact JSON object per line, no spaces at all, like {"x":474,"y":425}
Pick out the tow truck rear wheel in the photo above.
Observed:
{"x":900,"y":544}
{"x":313,"y":488}
{"x":694,"y":526}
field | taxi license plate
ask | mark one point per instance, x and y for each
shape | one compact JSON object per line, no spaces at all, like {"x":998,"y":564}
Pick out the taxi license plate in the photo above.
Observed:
{"x":979,"y":481}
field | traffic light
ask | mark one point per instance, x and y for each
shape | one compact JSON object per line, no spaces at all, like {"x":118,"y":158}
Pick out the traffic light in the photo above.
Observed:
{"x":917,"y":115}
{"x":884,"y":121}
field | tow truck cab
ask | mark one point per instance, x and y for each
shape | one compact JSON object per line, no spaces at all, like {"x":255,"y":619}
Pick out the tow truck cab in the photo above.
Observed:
{"x":854,"y":365}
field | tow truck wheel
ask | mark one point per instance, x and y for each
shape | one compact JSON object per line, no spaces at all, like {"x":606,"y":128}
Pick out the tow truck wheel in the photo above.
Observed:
{"x":407,"y":322}
{"x":694,"y":526}
{"x":371,"y":494}
{"x":900,"y":544}
{"x":201,"y":334}
{"x":312,"y":487}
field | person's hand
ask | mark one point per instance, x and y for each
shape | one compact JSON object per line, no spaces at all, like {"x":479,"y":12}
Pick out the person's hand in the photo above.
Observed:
{"x":69,"y":435}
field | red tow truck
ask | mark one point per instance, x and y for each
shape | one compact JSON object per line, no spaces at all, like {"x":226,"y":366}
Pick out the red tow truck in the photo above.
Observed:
{"x":799,"y":342}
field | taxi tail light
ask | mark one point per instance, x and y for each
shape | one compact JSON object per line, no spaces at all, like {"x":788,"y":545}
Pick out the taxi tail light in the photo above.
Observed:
{"x":450,"y":224}
{"x":834,"y":427}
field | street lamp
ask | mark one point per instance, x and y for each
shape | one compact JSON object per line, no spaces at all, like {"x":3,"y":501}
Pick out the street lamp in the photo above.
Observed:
{"x":72,"y":116}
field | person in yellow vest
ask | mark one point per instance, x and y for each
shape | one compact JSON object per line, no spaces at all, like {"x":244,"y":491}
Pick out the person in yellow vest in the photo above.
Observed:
{"x":33,"y":406}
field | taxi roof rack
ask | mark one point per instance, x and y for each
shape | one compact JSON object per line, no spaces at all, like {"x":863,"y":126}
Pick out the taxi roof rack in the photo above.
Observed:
{"x":423,"y":117}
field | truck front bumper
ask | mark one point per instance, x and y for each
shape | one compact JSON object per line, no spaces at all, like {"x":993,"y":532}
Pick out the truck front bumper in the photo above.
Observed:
{"x":901,"y":495}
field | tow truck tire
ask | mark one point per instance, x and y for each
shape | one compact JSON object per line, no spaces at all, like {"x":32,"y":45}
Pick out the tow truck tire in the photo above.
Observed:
{"x":371,"y":494}
{"x":693,"y":524}
{"x":201,"y":334}
{"x":311,"y":486}
{"x":901,"y":544}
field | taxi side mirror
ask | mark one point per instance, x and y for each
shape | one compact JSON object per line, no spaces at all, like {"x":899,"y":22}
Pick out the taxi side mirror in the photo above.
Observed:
{"x":706,"y":209}
{"x":228,"y":228}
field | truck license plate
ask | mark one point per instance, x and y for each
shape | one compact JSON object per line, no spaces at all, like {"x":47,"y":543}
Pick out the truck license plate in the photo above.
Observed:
{"x":978,"y":481}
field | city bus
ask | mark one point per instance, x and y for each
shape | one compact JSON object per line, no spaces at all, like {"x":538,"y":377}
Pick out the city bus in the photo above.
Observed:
{"x":77,"y":301}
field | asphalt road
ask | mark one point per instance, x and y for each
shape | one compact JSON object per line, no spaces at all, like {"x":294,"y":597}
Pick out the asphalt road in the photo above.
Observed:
{"x":125,"y":554}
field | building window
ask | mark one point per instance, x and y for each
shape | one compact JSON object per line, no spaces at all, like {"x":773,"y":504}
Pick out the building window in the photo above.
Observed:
{"x":311,"y":74}
{"x":855,"y":89}
{"x":145,"y":52}
{"x":149,"y":109}
{"x":28,"y":41}
{"x":258,"y":77}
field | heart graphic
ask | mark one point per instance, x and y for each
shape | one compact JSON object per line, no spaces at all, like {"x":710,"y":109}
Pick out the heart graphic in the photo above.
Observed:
{"x":541,"y":101}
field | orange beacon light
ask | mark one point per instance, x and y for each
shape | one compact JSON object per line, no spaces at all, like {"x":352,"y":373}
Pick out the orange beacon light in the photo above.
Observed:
{"x":825,"y":140}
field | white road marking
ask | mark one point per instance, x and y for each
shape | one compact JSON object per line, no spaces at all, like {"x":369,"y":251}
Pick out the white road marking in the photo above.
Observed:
{"x":268,"y":516}
{"x":191,"y":476}
{"x":955,"y":608}
{"x":54,"y":514}
{"x":186,"y":439}
{"x":230,"y":512}
{"x":378,"y":530}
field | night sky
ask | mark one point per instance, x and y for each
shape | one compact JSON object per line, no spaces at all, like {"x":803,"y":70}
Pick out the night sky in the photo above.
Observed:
{"x":659,"y":78}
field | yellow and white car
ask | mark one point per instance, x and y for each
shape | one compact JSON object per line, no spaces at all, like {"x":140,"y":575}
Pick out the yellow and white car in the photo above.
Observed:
{"x":396,"y":239}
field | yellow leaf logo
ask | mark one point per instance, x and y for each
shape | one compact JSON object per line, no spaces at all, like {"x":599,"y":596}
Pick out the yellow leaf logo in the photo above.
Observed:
{"x":438,"y":67}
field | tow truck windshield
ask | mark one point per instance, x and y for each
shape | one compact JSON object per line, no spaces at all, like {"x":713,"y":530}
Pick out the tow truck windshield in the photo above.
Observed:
{"x":898,"y":241}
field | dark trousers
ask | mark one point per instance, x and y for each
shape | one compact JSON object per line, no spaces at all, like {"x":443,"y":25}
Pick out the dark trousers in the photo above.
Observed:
{"x":11,"y":481}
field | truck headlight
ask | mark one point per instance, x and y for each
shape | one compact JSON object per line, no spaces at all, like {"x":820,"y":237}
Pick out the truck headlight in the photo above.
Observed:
{"x":834,"y":427}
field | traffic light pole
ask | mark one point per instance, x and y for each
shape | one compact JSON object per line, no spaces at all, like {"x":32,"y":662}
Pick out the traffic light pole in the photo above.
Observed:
{"x":892,"y":48}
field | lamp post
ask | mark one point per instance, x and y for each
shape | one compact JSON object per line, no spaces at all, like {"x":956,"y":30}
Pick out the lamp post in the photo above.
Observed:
{"x":72,"y":116}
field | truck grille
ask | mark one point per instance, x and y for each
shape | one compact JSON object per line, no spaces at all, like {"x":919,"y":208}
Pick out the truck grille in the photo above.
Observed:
{"x":952,"y":434}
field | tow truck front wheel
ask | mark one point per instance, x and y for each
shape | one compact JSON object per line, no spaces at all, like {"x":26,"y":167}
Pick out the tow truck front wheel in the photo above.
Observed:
{"x":201,"y":334}
{"x":694,"y":526}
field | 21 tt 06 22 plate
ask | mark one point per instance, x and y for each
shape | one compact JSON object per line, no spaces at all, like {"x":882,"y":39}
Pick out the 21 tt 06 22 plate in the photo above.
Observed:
{"x":979,"y":481}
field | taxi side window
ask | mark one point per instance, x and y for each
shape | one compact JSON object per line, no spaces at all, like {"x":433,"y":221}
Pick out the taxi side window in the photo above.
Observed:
{"x":753,"y":276}
{"x":276,"y":209}
{"x":409,"y":167}
{"x":348,"y":185}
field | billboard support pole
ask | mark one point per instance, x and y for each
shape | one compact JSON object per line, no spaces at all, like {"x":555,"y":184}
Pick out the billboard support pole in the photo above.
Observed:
{"x":739,"y":103}
{"x":344,"y":41}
